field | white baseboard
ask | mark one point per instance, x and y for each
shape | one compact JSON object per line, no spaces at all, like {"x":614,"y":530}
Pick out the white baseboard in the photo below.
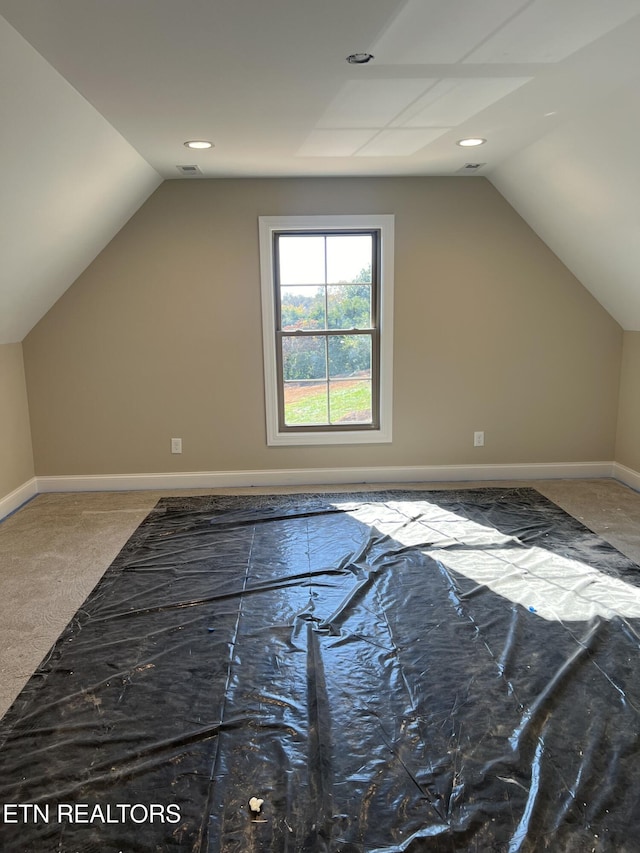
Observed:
{"x":14,"y":500}
{"x":627,"y":476}
{"x":324,"y":476}
{"x":317,"y":476}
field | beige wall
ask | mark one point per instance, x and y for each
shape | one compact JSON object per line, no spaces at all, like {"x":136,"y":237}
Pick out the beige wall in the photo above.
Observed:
{"x":16,"y":458}
{"x":161,"y":337}
{"x":628,"y":437}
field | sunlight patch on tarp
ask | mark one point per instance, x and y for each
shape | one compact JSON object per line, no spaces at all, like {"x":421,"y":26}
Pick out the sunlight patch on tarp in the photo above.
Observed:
{"x":554,"y":587}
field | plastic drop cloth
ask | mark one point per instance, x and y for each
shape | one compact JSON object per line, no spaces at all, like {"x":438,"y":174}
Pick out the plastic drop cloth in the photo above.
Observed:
{"x":389,"y":671}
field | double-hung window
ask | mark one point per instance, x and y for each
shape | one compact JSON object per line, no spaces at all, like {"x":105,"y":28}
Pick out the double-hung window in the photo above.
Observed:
{"x":327,"y":304}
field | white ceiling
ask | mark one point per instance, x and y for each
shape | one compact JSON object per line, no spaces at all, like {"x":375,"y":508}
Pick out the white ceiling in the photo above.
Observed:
{"x":103,"y":94}
{"x":68,"y":182}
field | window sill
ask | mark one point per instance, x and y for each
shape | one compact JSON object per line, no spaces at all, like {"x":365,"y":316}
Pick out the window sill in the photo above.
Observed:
{"x":309,"y":438}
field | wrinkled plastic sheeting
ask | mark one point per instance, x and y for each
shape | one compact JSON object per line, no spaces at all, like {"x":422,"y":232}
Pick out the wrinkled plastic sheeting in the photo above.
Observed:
{"x":389,"y":671}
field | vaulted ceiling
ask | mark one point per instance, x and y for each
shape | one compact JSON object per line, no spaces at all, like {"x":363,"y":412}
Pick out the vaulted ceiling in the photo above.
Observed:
{"x":99,"y":97}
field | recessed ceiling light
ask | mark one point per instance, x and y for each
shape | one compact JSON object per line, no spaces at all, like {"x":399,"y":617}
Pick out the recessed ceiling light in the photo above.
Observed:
{"x":198,"y":143}
{"x":359,"y":58}
{"x":469,"y":143}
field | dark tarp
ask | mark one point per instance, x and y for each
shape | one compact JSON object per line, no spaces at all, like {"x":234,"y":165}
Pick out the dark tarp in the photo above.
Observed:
{"x":389,"y":671}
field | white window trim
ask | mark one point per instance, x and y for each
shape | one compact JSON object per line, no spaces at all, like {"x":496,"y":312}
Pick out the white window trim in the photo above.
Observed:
{"x":267,"y":226}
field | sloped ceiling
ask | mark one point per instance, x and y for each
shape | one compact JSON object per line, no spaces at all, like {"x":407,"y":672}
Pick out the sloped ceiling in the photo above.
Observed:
{"x":69,"y":183}
{"x":104,"y":95}
{"x":579,"y":188}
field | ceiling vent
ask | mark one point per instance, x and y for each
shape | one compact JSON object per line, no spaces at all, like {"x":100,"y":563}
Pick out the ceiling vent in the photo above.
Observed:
{"x":470,"y":168}
{"x":189,"y":171}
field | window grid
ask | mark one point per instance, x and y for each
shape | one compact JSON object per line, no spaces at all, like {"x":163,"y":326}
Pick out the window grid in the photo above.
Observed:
{"x":372,"y":332}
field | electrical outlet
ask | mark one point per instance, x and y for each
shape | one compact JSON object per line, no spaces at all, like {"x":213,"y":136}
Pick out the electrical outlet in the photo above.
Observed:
{"x":478,"y":439}
{"x":176,"y":445}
